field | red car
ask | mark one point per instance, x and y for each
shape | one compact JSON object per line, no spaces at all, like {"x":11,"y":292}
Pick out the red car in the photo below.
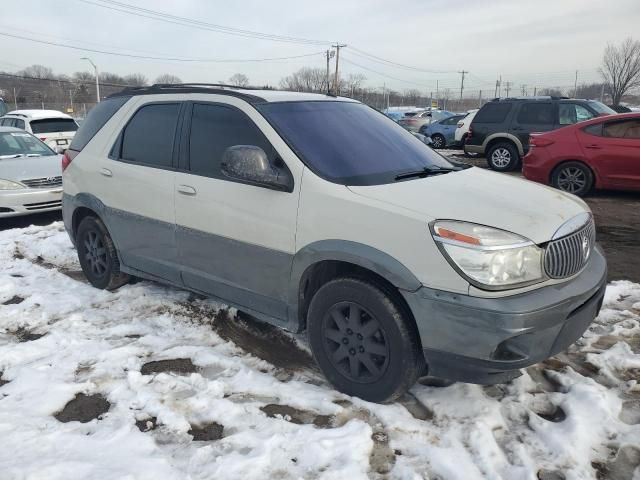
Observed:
{"x":603,"y":152}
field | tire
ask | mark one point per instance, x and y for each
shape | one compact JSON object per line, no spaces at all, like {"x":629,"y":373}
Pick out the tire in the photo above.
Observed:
{"x":503,"y":157}
{"x":98,"y":256}
{"x":363,"y":340}
{"x":438,"y":141}
{"x":573,"y":177}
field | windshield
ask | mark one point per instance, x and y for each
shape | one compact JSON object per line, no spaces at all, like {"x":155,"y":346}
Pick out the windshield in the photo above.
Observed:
{"x":14,"y":144}
{"x":601,"y":107}
{"x":349,"y":143}
{"x":53,"y":125}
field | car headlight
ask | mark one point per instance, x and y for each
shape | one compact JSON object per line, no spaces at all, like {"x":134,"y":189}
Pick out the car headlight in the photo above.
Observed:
{"x":9,"y":185}
{"x":487,"y":257}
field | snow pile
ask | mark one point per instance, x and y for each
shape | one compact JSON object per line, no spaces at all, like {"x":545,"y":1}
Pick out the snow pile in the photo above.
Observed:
{"x":576,"y":416}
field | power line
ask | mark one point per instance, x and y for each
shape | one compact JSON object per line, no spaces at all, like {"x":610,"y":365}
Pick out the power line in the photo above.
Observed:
{"x":170,"y":59}
{"x":377,"y":59}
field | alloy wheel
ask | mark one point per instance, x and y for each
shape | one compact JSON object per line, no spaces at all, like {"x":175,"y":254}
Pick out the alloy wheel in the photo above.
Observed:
{"x":437,"y":141}
{"x":501,"y":157}
{"x":355,"y":342}
{"x":571,"y":179}
{"x":95,"y":253}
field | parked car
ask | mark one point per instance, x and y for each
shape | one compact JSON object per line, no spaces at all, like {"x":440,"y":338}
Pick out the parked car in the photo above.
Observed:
{"x":501,"y":128}
{"x":462,"y":128}
{"x":601,"y":153}
{"x":3,"y":107}
{"x":30,"y":174}
{"x":442,"y":132}
{"x":413,"y":122}
{"x":54,"y":128}
{"x":318,"y":214}
{"x":395,"y":116}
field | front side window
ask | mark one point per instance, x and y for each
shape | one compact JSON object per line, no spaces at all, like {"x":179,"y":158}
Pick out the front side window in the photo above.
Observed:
{"x":22,"y":144}
{"x":148,"y":137}
{"x":536,"y":114}
{"x":623,"y":129}
{"x":594,"y":129}
{"x":493,"y":113}
{"x":570,"y":113}
{"x":349,"y":143}
{"x":214,"y":128}
{"x":53,"y":125}
{"x":19,"y":124}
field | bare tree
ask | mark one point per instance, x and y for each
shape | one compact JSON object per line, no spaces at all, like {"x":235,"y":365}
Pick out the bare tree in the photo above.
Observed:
{"x":135,"y":80}
{"x":37,"y":71}
{"x":305,"y":80}
{"x":621,"y":68}
{"x":167,"y":78}
{"x":239,"y":80}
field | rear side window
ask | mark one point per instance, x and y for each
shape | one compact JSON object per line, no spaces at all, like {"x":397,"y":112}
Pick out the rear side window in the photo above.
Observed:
{"x":536,"y":114}
{"x":623,"y":129}
{"x":493,"y":113}
{"x":97,"y":118}
{"x":148,"y":137}
{"x":214,"y":128}
{"x":53,"y":125}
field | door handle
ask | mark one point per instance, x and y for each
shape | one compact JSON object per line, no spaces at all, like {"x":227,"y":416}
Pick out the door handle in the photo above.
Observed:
{"x":106,"y":172}
{"x":594,"y":147}
{"x":186,"y":190}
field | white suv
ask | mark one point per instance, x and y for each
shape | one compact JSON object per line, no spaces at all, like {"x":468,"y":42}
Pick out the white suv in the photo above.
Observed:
{"x":54,"y":128}
{"x":318,"y":213}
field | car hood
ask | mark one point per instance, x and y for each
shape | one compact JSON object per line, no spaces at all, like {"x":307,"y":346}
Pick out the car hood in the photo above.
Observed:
{"x":24,"y":168}
{"x":487,"y":198}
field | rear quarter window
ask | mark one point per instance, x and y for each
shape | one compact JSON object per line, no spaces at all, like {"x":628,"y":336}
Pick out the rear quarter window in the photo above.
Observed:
{"x":493,"y":113}
{"x":97,"y":118}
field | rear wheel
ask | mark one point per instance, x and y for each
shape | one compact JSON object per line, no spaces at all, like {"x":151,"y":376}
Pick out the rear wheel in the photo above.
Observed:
{"x":503,"y":157}
{"x":98,"y":256}
{"x":573,"y":177}
{"x":438,"y":141}
{"x":363,"y":340}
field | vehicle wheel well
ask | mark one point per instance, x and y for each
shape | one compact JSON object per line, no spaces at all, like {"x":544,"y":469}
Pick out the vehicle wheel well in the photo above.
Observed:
{"x":497,"y":140}
{"x":555,"y":169}
{"x":320,"y":273}
{"x":80,"y":214}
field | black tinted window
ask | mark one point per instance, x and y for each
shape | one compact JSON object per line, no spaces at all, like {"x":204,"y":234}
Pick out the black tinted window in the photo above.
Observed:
{"x":149,"y":135}
{"x":19,"y":123}
{"x":214,"y":128}
{"x":493,"y":113}
{"x":349,"y":143}
{"x":98,"y":116}
{"x":53,"y":125}
{"x":594,"y":129}
{"x":536,"y":114}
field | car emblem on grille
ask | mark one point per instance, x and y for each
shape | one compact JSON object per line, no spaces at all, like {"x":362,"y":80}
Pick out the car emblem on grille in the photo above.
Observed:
{"x":585,"y":247}
{"x":51,"y":179}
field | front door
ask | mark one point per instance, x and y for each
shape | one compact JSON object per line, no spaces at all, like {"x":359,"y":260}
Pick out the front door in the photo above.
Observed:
{"x":236,"y":241}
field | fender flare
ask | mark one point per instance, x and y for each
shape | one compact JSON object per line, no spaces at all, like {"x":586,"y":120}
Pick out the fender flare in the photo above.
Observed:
{"x":506,"y":136}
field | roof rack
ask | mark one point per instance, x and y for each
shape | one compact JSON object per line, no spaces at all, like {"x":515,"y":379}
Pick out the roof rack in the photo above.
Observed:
{"x":537,"y":97}
{"x":218,"y":88}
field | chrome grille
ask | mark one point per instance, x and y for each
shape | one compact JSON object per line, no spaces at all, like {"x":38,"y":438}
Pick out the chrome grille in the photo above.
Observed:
{"x":568,"y":255}
{"x":46,"y":182}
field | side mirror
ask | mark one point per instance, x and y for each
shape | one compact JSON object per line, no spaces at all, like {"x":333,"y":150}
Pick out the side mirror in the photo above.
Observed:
{"x":250,"y":164}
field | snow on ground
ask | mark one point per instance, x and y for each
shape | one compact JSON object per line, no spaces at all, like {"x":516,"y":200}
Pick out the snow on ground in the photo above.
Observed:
{"x":234,"y":408}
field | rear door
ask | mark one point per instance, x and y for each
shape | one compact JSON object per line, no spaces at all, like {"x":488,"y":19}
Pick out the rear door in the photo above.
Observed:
{"x":136,"y":184}
{"x":615,"y":149}
{"x":236,"y":241}
{"x":533,"y":117}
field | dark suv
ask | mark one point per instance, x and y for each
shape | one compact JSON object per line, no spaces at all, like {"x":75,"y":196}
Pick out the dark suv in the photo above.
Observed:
{"x":501,"y":128}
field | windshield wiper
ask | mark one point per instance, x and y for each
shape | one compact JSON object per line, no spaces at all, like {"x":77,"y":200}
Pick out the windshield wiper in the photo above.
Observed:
{"x":425,"y":172}
{"x":3,"y":157}
{"x":33,"y":155}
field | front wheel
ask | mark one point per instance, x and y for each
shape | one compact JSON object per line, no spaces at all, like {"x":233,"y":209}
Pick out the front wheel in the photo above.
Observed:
{"x":98,"y":256}
{"x":362,"y":339}
{"x":503,"y":157}
{"x":573,"y":177}
{"x":438,"y":141}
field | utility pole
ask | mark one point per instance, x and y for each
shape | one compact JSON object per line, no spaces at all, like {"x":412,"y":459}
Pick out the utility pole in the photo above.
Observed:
{"x":15,"y":97}
{"x":437,"y":93}
{"x":495,"y":93}
{"x":330,"y":54}
{"x":601,"y":94}
{"x":95,"y":69}
{"x":500,"y":87}
{"x":535,"y":91}
{"x":337,"y":46}
{"x":480,"y":99}
{"x":575,"y":86}
{"x":507,"y":88}
{"x":71,"y":99}
{"x":463,"y":73}
{"x":523,"y":89}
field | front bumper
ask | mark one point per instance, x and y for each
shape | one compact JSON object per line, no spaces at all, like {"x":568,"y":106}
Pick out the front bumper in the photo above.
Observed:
{"x":488,"y":340}
{"x":473,"y":148}
{"x":26,"y":201}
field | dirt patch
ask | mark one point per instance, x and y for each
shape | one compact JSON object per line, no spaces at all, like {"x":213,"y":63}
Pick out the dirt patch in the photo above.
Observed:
{"x":3,"y":382}
{"x":15,"y":300}
{"x":382,"y":457}
{"x":77,"y":275}
{"x":299,"y":417}
{"x":147,"y":424}
{"x":550,"y":475}
{"x":207,"y":433}
{"x":607,"y":341}
{"x":415,"y":407}
{"x":176,"y":365}
{"x":621,"y":467}
{"x":261,"y":339}
{"x":24,"y":335}
{"x":630,"y":412}
{"x":83,"y":408}
{"x":16,"y":275}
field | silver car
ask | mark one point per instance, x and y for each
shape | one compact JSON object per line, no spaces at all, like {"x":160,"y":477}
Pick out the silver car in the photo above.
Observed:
{"x":414,"y":120}
{"x":30,"y":174}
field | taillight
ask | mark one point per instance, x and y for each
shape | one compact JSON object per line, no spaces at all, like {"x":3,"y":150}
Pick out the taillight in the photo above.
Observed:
{"x":67,"y":158}
{"x":536,"y":141}
{"x":460,"y":125}
{"x":469,"y":134}
{"x":43,"y":139}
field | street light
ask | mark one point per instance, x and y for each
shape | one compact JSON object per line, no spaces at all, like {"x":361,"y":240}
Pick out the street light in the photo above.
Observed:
{"x":95,"y":68}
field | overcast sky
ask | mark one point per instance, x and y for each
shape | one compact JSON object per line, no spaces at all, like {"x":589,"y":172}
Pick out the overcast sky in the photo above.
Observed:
{"x":540,"y":42}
